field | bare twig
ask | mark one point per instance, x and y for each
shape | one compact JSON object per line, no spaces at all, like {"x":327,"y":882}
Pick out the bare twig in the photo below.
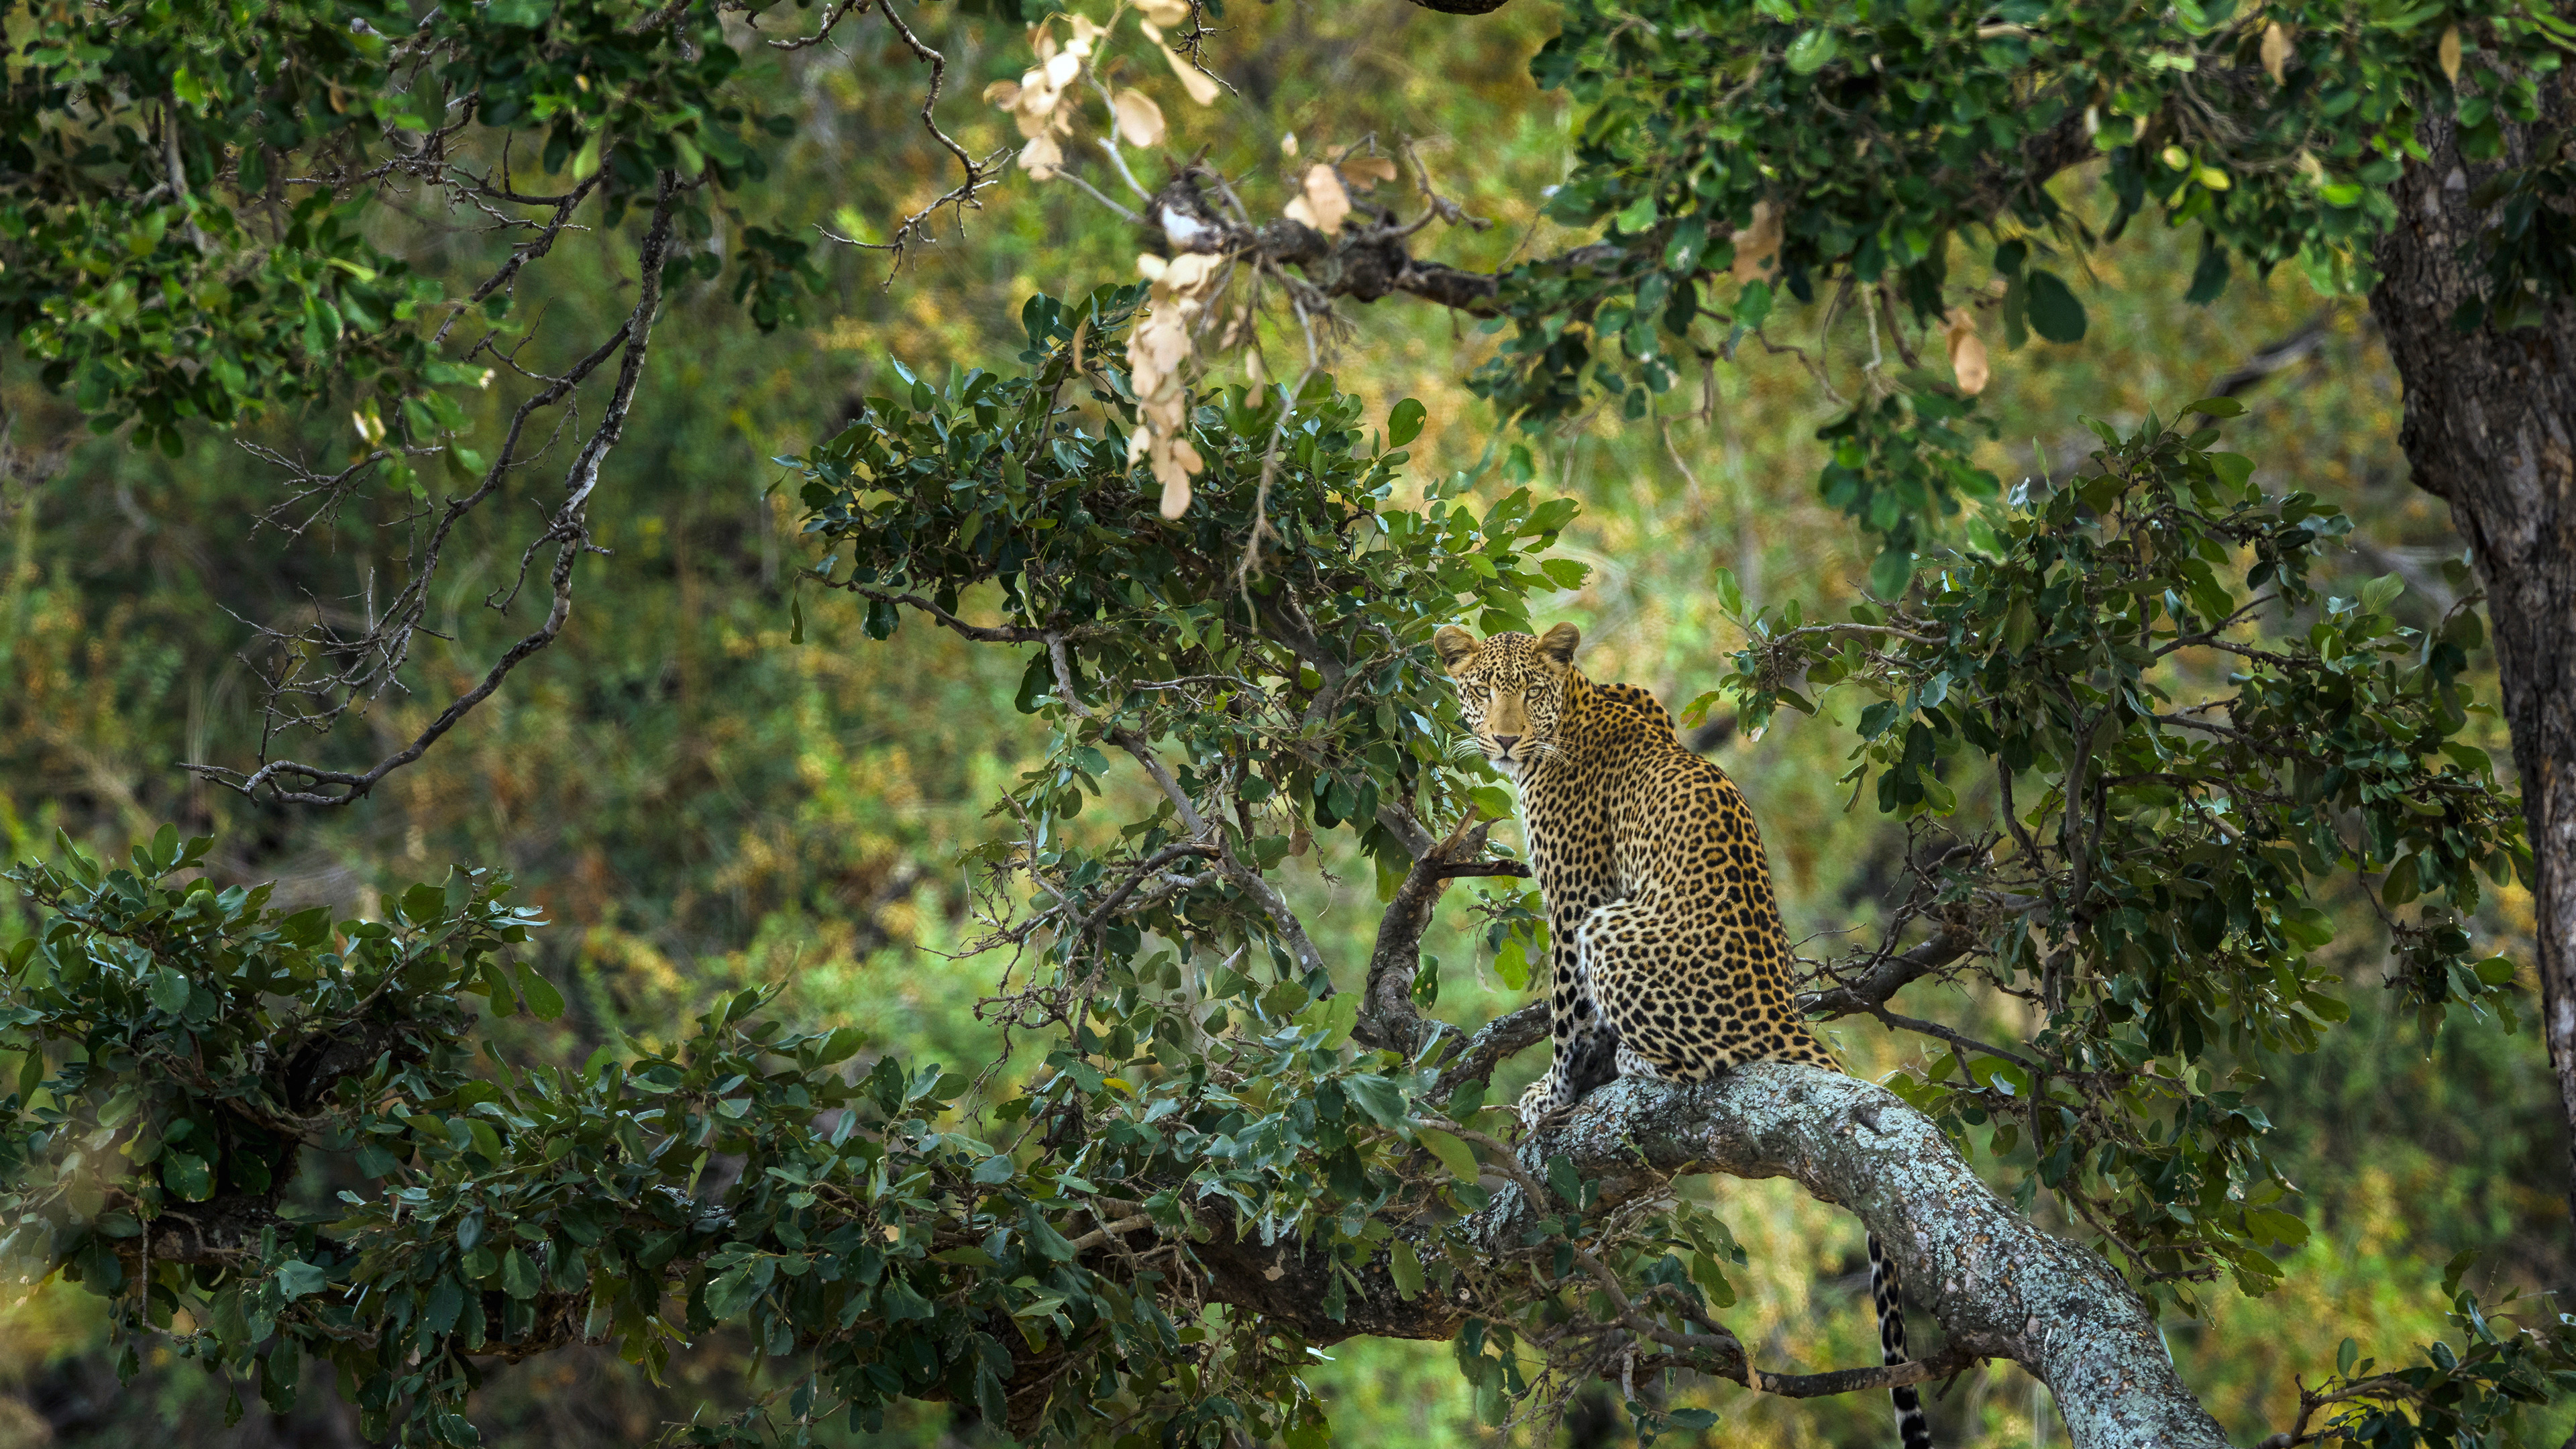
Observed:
{"x":319,"y":785}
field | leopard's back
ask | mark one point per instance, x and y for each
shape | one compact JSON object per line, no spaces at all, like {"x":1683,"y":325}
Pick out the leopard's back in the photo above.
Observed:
{"x":1628,"y":822}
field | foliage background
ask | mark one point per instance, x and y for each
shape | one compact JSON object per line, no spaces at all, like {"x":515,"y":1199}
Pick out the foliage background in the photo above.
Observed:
{"x":700,"y":804}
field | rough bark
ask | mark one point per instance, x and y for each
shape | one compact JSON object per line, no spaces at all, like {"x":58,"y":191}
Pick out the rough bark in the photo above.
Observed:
{"x":1999,"y":1287}
{"x":2487,"y":429}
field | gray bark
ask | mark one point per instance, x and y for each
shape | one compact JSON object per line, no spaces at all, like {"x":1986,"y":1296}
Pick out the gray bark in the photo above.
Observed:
{"x":1999,"y":1287}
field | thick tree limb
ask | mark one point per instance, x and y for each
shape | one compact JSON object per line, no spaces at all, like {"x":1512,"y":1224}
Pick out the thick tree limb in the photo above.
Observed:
{"x":1999,"y":1287}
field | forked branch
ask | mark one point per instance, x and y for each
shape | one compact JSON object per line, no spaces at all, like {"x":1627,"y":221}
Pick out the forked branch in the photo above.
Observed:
{"x":387,"y":643}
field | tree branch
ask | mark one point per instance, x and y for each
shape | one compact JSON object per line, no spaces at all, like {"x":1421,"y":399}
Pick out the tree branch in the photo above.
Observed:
{"x":1387,"y":1016}
{"x":567,"y":530}
{"x":1365,"y":261}
{"x":1249,"y":881}
{"x":1891,"y":975}
{"x":1999,"y":1287}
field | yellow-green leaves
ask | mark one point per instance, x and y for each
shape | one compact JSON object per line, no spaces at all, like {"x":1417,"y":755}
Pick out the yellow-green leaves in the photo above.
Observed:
{"x":1812,"y":51}
{"x":1453,"y":1154}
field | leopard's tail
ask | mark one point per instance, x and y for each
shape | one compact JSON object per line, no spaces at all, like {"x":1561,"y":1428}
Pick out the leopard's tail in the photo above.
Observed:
{"x":1888,"y":1292}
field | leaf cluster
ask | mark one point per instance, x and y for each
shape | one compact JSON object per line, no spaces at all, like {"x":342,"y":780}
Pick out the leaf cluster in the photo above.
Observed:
{"x":1852,"y":154}
{"x":194,"y":196}
{"x":2136,"y":800}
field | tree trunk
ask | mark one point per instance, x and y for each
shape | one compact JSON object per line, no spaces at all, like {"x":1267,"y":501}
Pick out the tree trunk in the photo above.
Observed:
{"x":2488,"y":427}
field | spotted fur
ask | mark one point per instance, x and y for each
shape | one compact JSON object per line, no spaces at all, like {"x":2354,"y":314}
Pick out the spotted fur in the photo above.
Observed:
{"x":1666,"y":954}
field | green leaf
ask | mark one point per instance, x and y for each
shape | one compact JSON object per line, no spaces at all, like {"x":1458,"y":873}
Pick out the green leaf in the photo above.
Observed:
{"x":169,"y":990}
{"x":2216,"y":407}
{"x":308,"y":927}
{"x":518,"y":1275}
{"x":1404,"y":422}
{"x":903,"y":1305}
{"x":1891,"y":573}
{"x":2054,"y":312}
{"x":1453,"y":1154}
{"x":1405,"y":1267}
{"x":1812,"y":51}
{"x":2401,"y":885}
{"x":730,"y":1293}
{"x":544,"y":1001}
{"x":1712,"y":1280}
{"x":1341,"y":1018}
{"x":1380,"y":1098}
{"x":1043,"y":1237}
{"x":185,"y":1174}
{"x":298,"y":1279}
{"x":1562,"y":1181}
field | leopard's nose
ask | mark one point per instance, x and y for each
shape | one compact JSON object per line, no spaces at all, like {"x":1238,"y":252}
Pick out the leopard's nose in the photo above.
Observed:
{"x":1507,"y":741}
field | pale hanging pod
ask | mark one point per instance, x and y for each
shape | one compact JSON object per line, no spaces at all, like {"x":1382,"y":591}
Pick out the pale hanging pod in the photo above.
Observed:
{"x":1140,"y":121}
{"x":1758,"y":245}
{"x":1322,"y":203}
{"x":2277,"y":51}
{"x":1967,"y":352}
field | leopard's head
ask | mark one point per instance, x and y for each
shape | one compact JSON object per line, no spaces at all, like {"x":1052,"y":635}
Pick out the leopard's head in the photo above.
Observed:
{"x":1512,"y":688}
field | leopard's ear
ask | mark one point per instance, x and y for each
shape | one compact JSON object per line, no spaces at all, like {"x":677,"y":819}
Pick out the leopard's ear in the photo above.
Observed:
{"x":1455,"y":646}
{"x":1558,"y":643}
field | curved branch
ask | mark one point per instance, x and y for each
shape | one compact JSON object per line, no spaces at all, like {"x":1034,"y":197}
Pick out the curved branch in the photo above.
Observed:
{"x":1500,"y":1038}
{"x":1387,"y":1016}
{"x":1891,"y":975}
{"x":1999,"y":1287}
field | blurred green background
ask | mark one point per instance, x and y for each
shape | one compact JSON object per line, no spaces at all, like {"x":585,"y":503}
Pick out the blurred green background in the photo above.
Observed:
{"x":698,"y":803}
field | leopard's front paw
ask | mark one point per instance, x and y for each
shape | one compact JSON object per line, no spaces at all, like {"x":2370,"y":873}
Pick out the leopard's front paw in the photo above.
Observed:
{"x":1539,"y":1106}
{"x":1536,"y":1102}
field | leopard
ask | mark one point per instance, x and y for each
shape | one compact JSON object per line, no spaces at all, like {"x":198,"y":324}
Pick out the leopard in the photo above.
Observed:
{"x":1667,"y":957}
